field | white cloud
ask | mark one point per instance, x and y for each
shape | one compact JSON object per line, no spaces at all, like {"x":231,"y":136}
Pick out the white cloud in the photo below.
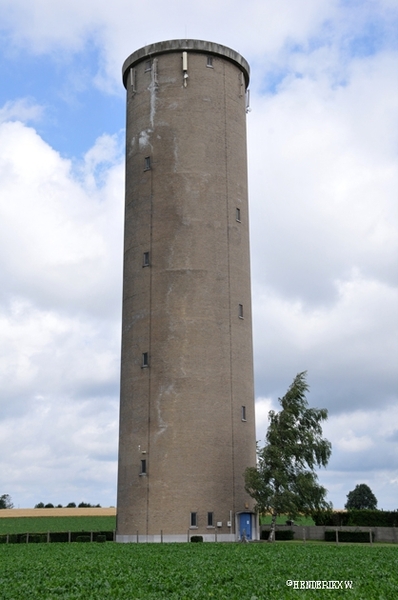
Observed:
{"x":263,"y":406}
{"x":323,"y":181}
{"x":23,"y":109}
{"x":363,"y":444}
{"x":352,"y":443}
{"x":60,"y":303}
{"x":349,"y":348}
{"x":45,"y":24}
{"x":364,"y":451}
{"x":68,"y":451}
{"x":97,"y":160}
{"x":59,"y":238}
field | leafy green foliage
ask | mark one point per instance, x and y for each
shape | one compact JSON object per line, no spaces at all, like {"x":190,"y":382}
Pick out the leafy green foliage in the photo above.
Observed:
{"x":361,"y":498}
{"x":282,"y":534}
{"x":281,"y":520}
{"x":5,"y":501}
{"x":284,"y":481}
{"x":359,"y":537}
{"x":57,"y":537}
{"x":193,"y":571}
{"x":359,"y":518}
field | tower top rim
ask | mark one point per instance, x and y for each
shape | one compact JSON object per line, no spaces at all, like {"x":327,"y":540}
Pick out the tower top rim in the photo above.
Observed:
{"x":186,"y":46}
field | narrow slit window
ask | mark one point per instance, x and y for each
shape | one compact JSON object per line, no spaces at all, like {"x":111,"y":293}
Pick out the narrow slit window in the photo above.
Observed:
{"x":147,"y":163}
{"x":148,"y":65}
{"x":238,"y":215}
{"x":242,"y":85}
{"x":243,"y":413}
{"x":194,"y":519}
{"x":210,"y":522}
{"x":132,"y":80}
{"x":145,"y":360}
{"x":145,"y":259}
{"x":209,"y":62}
{"x":240,"y":311}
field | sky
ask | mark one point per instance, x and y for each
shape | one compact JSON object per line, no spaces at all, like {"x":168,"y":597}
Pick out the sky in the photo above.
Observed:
{"x":323,"y":192}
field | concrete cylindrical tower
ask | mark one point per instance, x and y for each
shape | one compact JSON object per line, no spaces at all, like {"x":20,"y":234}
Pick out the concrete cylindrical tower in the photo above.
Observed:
{"x":187,"y":430}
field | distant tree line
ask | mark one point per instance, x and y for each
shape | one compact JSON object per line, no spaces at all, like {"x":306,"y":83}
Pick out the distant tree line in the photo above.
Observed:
{"x":6,"y":502}
{"x":70,"y":505}
{"x":356,"y":518}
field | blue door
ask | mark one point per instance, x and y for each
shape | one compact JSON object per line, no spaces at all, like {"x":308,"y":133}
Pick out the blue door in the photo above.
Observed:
{"x":245,"y":527}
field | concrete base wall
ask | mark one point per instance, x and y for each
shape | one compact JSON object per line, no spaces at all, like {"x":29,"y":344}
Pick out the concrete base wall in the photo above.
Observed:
{"x":210,"y":537}
{"x":313,"y":532}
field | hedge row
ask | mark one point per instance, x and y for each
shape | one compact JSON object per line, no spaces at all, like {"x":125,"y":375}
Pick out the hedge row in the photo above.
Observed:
{"x":357,"y":518}
{"x":349,"y":536}
{"x":60,"y":536}
{"x":283,"y":534}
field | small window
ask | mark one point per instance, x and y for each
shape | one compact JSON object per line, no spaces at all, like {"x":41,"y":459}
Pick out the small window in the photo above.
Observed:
{"x":145,"y":259}
{"x":209,"y":61}
{"x":194,"y":519}
{"x":240,"y":311}
{"x":145,"y":359}
{"x":143,"y":467}
{"x":132,"y":80}
{"x":238,"y":215}
{"x":243,"y":413}
{"x":147,"y":163}
{"x":210,"y":519}
{"x":148,"y":65}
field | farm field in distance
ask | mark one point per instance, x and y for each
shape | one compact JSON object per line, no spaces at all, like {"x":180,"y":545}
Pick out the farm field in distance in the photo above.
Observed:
{"x":231,"y":571}
{"x":59,"y":523}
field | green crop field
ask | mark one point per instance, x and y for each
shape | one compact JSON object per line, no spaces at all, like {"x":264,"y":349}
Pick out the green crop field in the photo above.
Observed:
{"x":44,"y":524}
{"x":195,"y":571}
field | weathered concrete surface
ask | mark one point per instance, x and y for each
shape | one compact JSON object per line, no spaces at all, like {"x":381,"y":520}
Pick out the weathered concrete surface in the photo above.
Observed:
{"x":186,"y":176}
{"x":317,"y":532}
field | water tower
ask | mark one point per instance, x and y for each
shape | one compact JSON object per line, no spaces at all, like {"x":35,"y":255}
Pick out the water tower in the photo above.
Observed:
{"x":187,"y":430}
